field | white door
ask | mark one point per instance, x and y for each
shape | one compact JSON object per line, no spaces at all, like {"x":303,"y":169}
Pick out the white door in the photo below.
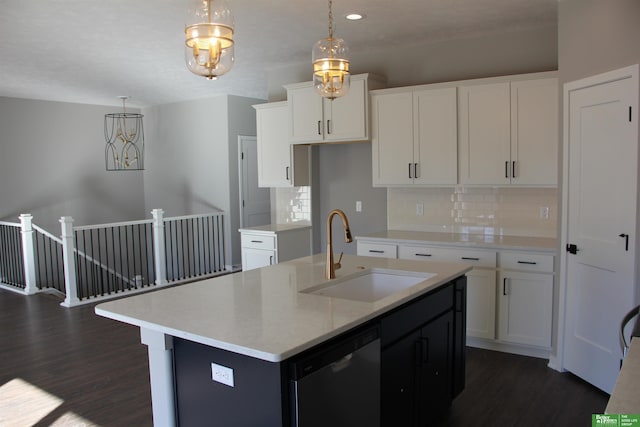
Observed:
{"x":601,"y":138}
{"x":255,"y":202}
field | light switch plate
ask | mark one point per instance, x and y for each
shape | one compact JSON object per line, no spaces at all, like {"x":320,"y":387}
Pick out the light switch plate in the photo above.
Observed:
{"x":420,"y":209}
{"x":358,"y":206}
{"x":222,"y":374}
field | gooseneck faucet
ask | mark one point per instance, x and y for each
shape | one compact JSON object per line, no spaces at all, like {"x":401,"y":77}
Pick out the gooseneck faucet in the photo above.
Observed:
{"x":331,"y":268}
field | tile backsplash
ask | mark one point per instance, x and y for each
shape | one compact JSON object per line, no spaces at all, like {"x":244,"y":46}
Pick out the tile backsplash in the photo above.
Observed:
{"x":499,"y":211}
{"x":292,"y":205}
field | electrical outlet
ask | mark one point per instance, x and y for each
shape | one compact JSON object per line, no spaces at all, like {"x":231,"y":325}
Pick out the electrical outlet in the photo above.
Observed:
{"x":420,"y":209}
{"x":358,"y":206}
{"x":222,"y":374}
{"x":544,"y":212}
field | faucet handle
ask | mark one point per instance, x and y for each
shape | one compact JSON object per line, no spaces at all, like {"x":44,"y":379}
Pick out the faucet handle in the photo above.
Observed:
{"x":337,"y":265}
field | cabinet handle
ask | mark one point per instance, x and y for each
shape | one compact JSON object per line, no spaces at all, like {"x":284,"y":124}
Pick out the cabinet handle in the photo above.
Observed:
{"x":513,"y":169}
{"x":376,"y":251}
{"x":425,"y":350}
{"x":504,"y":286}
{"x":527,"y":262}
{"x":329,"y":127}
{"x":506,"y":169}
{"x":287,"y":172}
{"x":415,"y":170}
{"x":270,"y":259}
{"x":410,"y":177}
{"x":417,"y":353}
{"x":626,"y":241}
{"x":319,"y":124}
{"x":422,"y":254}
{"x":256,"y":241}
{"x":468,"y":258}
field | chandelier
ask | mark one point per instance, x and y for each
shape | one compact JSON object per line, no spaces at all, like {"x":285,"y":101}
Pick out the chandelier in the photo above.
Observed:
{"x":209,"y":38}
{"x":331,"y":65}
{"x":124,"y":135}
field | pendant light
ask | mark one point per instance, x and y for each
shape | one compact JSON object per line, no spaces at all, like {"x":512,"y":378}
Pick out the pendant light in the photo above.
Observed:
{"x":209,"y":38}
{"x":124,"y":136}
{"x":331,"y":76}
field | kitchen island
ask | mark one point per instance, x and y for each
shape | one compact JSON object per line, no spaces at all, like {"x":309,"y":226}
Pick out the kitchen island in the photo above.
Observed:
{"x":261,"y":321}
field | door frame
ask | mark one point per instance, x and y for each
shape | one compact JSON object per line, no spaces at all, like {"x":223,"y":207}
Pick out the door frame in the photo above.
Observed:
{"x":557,"y":361}
{"x":241,"y":139}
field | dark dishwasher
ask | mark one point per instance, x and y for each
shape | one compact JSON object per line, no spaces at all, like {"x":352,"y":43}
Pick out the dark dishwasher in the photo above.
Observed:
{"x":339,"y":385}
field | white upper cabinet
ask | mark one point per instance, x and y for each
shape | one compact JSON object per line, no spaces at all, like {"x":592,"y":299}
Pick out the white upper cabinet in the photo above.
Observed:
{"x":279,"y":163}
{"x":509,"y":133}
{"x":414,"y":137}
{"x":313,"y":119}
{"x":534,"y":132}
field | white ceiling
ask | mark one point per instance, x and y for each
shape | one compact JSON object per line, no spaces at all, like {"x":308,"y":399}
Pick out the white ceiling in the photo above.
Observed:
{"x":91,"y":51}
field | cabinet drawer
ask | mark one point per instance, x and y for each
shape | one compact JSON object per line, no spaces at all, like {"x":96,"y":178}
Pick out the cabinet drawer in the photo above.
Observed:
{"x":526,"y":262}
{"x":476,"y":258}
{"x":380,"y":250}
{"x":258,"y":241}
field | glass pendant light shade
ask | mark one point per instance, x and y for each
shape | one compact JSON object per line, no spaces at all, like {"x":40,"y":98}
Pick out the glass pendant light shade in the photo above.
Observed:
{"x":209,"y":50}
{"x":330,"y":58}
{"x":331,"y":76}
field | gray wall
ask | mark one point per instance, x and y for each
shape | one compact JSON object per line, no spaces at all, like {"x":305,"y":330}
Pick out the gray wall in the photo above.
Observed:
{"x":344,"y":177}
{"x":52,"y":165}
{"x":597,"y":36}
{"x":343,"y":172}
{"x":192,"y":162}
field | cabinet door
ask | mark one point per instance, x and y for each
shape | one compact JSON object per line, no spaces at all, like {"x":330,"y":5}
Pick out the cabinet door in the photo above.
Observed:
{"x":481,"y":303}
{"x":305,"y":115}
{"x":525,"y":310}
{"x":435,"y":354}
{"x":398,"y":381}
{"x":392,"y":138}
{"x":256,"y":258}
{"x":345,"y":118}
{"x":534,"y":132}
{"x":274,"y":156}
{"x":435,"y":121}
{"x":485,"y":134}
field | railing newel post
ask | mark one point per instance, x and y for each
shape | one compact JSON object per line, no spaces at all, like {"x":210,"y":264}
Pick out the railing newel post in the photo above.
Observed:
{"x":69,"y":261}
{"x":28,"y":254}
{"x":159,"y":246}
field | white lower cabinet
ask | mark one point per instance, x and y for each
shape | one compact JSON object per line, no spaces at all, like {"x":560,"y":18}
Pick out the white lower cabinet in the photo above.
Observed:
{"x":525,"y":309}
{"x":267,"y":245}
{"x":481,"y":303}
{"x":481,"y":282}
{"x":509,"y":293}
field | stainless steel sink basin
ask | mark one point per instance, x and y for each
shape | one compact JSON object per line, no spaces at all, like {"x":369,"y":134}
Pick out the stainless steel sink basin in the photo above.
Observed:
{"x":369,"y":285}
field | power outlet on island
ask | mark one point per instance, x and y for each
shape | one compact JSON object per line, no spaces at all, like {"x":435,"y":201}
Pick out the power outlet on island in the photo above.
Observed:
{"x":222,"y":374}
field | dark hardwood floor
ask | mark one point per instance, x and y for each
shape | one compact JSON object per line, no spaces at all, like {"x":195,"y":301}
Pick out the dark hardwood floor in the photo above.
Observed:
{"x":99,"y":369}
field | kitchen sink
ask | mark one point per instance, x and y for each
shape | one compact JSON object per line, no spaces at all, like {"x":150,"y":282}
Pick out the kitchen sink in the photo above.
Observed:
{"x":369,"y":285}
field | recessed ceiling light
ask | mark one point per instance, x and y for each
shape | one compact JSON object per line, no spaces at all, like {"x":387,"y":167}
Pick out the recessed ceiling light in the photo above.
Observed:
{"x":354,"y":16}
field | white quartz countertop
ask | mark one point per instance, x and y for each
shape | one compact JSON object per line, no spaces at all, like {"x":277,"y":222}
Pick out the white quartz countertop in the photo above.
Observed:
{"x":275,"y":228}
{"x":546,"y":244}
{"x":625,"y":398}
{"x":262,"y":313}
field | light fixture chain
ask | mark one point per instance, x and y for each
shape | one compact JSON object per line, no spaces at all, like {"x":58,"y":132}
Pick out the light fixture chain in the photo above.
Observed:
{"x":330,"y":20}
